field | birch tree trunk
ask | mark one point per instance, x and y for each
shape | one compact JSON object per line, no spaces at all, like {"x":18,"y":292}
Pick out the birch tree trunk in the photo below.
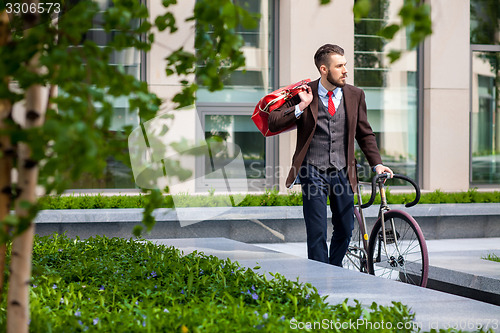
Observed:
{"x":5,"y":185}
{"x":22,"y":246}
{"x":5,"y":154}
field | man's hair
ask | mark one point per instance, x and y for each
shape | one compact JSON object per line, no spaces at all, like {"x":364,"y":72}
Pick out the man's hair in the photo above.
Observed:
{"x":322,"y":56}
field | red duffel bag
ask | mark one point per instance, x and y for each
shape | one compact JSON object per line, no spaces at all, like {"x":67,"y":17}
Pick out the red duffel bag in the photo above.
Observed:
{"x":271,"y":102}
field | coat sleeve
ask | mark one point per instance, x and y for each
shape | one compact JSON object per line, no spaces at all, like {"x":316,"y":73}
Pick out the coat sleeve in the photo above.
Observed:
{"x":365,"y":136}
{"x":284,"y":116}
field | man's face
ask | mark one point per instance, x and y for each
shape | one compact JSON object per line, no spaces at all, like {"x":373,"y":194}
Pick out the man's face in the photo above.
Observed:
{"x":336,"y":72}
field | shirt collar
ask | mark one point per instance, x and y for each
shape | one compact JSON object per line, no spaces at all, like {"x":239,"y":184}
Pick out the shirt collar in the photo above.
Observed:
{"x":323,"y":92}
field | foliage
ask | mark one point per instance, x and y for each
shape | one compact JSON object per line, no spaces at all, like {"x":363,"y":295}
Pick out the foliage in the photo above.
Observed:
{"x":269,"y":198}
{"x":414,"y":14}
{"x":216,"y":24}
{"x":117,"y":285}
{"x":78,"y":135}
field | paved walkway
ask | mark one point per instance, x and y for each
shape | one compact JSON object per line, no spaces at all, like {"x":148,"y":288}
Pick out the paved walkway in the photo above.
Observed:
{"x":433,"y":309}
{"x":442,"y":252}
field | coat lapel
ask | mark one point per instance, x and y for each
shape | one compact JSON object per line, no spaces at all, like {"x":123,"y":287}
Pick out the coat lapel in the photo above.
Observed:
{"x":314,"y":103}
{"x":350,"y":106}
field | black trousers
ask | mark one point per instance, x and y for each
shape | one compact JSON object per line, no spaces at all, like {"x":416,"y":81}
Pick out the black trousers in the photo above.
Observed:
{"x":317,"y":186}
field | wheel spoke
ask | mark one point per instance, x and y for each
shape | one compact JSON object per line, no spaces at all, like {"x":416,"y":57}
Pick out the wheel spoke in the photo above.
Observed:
{"x":355,"y":258}
{"x":404,"y":259}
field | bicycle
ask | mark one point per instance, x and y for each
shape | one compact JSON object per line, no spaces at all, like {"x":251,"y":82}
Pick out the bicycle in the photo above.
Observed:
{"x":399,"y":252}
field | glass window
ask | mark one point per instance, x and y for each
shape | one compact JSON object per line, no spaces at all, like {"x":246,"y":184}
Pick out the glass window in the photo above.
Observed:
{"x":255,"y":80}
{"x":236,"y":134}
{"x":226,"y":114}
{"x":484,"y":22}
{"x":391,"y":90}
{"x":232,"y":138}
{"x":485,"y":136}
{"x":485,"y":132}
{"x":116,"y":175}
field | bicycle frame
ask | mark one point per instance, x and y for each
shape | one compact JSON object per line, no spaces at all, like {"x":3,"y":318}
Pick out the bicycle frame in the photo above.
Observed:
{"x":360,"y":210}
{"x":364,"y":238}
{"x":384,"y":207}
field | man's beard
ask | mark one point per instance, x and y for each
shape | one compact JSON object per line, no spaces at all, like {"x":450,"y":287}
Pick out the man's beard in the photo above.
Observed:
{"x":336,"y":83}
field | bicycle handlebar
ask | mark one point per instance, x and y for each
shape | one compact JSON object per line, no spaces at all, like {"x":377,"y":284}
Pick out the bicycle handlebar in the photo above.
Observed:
{"x":376,"y":178}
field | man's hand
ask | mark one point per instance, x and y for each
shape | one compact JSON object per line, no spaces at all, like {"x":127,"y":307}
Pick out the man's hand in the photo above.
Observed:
{"x":306,"y":98}
{"x":382,"y":168}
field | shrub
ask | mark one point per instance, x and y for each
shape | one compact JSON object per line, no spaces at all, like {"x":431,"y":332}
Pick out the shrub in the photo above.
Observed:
{"x":268,"y":198}
{"x":117,"y":285}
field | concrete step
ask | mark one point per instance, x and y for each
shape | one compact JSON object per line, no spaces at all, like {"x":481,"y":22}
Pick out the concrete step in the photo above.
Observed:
{"x":260,"y":224}
{"x":456,"y":266}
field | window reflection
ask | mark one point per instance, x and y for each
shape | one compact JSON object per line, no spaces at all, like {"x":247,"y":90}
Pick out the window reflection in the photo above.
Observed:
{"x":391,"y":89}
{"x":248,"y":85}
{"x":233,"y":132}
{"x":226,"y":113}
{"x":484,"y":22}
{"x":116,"y":173}
{"x":485,"y":132}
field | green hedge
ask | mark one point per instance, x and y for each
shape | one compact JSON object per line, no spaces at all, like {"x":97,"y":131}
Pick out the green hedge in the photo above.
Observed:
{"x":268,"y":198}
{"x":117,"y":285}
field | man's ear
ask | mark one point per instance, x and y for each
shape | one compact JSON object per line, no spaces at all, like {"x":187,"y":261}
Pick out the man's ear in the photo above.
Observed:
{"x":323,"y":69}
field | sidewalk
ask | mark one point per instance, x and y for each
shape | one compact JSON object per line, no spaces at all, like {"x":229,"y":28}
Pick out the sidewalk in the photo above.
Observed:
{"x":456,"y":265}
{"x":436,"y":249}
{"x":433,"y":309}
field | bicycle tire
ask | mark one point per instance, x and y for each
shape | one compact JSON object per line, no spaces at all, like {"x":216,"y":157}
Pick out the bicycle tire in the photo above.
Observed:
{"x":408,"y":261}
{"x":355,"y":257}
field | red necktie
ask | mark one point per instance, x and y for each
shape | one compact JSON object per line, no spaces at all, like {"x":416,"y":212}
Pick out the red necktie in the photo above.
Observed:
{"x":331,"y":106}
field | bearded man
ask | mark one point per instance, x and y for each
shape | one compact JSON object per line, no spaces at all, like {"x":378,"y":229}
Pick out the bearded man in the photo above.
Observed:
{"x":329,"y":115}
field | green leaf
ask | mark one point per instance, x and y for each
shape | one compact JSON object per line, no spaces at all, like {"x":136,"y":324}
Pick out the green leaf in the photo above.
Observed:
{"x":229,"y":15}
{"x":394,"y":55}
{"x":361,"y":9}
{"x":10,"y":220}
{"x":137,"y":231}
{"x":389,"y":31}
{"x":166,"y":21}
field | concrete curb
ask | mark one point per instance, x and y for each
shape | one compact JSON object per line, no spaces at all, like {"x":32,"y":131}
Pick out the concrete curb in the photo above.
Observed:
{"x":244,"y":213}
{"x":260,"y":224}
{"x":474,"y":286}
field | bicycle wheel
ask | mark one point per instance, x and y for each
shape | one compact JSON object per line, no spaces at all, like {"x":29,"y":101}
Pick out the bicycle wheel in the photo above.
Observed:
{"x":355,"y":257}
{"x":405,"y":257}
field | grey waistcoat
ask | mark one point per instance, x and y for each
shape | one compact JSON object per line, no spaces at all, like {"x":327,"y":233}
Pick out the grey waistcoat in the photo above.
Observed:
{"x":328,"y":145}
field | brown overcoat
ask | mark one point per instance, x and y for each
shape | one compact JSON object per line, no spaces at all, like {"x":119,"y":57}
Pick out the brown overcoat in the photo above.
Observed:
{"x":357,"y":127}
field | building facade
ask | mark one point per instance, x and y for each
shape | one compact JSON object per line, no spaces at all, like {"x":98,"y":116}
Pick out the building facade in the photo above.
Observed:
{"x":434,"y":111}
